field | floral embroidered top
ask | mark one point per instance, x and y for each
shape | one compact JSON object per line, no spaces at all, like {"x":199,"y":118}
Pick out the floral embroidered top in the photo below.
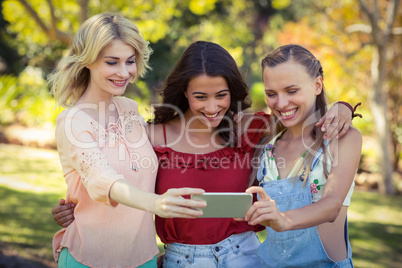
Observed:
{"x":268,"y":170}
{"x":105,"y":234}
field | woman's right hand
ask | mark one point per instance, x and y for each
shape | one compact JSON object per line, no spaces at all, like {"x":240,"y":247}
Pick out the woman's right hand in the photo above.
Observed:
{"x":265,"y":211}
{"x":63,"y":214}
{"x":172,"y":204}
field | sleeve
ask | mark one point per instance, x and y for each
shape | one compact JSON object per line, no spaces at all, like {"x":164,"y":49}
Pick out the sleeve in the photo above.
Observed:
{"x":130,"y":108}
{"x":79,"y":150}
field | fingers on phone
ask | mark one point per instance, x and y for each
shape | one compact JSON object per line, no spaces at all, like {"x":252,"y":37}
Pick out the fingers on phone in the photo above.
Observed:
{"x":186,"y":191}
{"x":258,"y":190}
{"x":187,"y":212}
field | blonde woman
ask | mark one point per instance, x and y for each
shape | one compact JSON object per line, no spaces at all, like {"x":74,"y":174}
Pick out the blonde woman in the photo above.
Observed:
{"x":108,"y":163}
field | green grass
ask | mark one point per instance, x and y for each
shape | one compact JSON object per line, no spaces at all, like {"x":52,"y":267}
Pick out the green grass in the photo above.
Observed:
{"x":31,"y":183}
{"x":375,"y":229}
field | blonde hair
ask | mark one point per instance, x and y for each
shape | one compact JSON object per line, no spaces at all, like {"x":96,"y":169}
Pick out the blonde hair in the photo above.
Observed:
{"x":313,"y":67}
{"x":70,"y":78}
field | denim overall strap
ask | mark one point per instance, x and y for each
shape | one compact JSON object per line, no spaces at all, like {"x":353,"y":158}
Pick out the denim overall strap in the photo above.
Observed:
{"x":296,"y":248}
{"x":261,"y":172}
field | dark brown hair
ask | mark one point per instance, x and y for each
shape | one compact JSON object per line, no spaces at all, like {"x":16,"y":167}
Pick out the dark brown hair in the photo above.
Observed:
{"x":198,"y":59}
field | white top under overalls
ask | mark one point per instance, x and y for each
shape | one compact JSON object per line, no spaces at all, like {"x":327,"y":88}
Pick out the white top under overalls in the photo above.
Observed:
{"x":268,"y":171}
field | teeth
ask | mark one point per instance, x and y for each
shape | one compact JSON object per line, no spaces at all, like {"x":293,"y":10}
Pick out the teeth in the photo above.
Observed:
{"x":119,"y":82}
{"x":211,"y":116}
{"x":289,"y":113}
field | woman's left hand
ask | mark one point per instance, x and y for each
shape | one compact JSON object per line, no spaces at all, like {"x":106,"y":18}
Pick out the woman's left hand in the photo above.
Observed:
{"x":265,"y":211}
{"x":336,"y":122}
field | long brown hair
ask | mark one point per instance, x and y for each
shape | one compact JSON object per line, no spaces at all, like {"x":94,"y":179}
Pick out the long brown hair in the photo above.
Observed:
{"x":202,"y":58}
{"x":313,"y":67}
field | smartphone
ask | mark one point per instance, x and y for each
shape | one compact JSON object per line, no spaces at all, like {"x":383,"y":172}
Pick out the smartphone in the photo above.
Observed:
{"x":225,"y":205}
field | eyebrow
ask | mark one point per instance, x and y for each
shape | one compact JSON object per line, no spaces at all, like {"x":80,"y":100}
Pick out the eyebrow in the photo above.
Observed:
{"x":291,"y":86}
{"x":117,"y":58}
{"x":202,"y":93}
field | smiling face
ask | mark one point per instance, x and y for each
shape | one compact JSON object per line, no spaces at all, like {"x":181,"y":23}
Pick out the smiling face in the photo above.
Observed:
{"x":113,"y":69}
{"x":208,"y":99}
{"x":291,"y":92}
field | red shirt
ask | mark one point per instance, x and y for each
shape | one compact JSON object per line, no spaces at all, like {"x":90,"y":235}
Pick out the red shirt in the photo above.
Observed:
{"x":225,"y":170}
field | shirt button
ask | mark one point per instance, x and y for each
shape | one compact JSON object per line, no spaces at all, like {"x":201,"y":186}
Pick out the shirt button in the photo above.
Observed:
{"x":217,"y":249}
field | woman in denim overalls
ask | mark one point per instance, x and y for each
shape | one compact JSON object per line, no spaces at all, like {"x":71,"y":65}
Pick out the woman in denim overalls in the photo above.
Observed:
{"x":306,"y":181}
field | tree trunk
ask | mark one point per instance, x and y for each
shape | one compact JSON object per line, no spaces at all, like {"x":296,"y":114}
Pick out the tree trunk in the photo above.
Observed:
{"x":379,"y":108}
{"x":83,"y":15}
{"x":379,"y":96}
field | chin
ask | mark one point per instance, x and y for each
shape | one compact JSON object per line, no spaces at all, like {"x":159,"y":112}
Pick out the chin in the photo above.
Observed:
{"x":119,"y":92}
{"x":213,"y":123}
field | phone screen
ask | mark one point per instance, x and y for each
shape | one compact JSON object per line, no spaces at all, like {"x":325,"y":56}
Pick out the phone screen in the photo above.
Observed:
{"x":225,"y":205}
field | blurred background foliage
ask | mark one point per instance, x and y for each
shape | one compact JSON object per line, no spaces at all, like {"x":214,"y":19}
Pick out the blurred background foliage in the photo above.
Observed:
{"x":34,"y":35}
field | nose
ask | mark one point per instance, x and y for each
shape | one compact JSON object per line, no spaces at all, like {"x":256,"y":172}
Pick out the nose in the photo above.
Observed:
{"x":123,"y":71}
{"x":282,"y":102}
{"x":211,"y":106}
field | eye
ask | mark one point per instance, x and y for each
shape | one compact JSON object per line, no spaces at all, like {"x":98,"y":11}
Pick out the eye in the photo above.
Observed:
{"x":270,"y":94}
{"x":200,"y":97}
{"x":131,"y":62}
{"x":222,"y":95}
{"x":292,"y":90}
{"x":111,"y":62}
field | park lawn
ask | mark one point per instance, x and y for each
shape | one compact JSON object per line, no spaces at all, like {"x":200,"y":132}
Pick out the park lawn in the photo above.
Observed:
{"x":31,"y":183}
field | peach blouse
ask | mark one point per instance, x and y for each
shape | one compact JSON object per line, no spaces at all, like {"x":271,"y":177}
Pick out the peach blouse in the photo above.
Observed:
{"x":105,"y":234}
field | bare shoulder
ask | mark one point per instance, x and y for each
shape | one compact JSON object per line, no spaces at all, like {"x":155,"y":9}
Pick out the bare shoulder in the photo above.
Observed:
{"x":353,"y":136}
{"x":175,"y":127}
{"x":349,"y":144}
{"x":155,"y":133}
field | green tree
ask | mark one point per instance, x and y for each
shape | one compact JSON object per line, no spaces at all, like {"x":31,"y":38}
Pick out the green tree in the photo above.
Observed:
{"x":10,"y":61}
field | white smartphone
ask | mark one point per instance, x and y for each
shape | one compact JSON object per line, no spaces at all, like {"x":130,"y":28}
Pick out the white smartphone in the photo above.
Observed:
{"x":225,"y":205}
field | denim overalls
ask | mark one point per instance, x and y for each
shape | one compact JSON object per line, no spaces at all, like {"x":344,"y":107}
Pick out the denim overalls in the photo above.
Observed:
{"x":296,"y":248}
